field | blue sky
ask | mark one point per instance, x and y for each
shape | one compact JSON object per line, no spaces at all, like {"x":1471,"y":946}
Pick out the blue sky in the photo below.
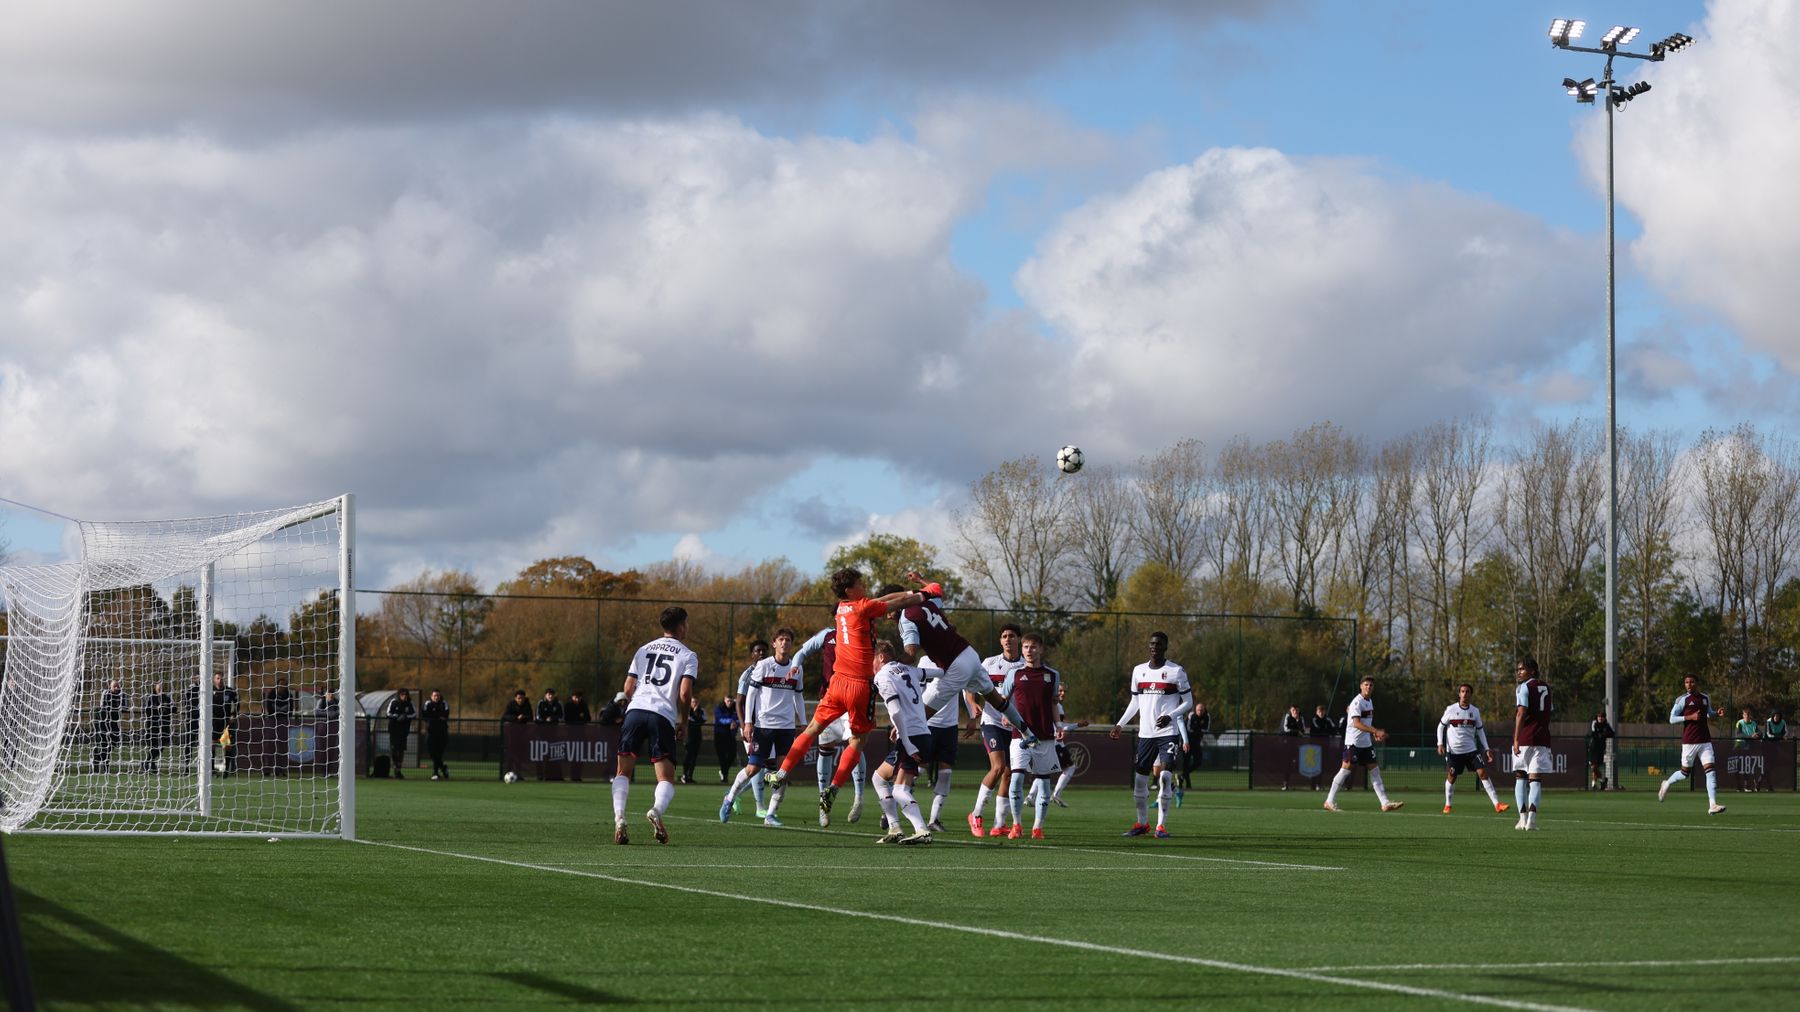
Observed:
{"x":732,"y":287}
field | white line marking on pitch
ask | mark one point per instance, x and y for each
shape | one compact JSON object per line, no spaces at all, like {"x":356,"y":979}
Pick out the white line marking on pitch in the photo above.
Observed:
{"x":1149,"y":855}
{"x":1597,"y":964}
{"x":948,"y":869}
{"x":1712,"y":825}
{"x":1017,"y":936}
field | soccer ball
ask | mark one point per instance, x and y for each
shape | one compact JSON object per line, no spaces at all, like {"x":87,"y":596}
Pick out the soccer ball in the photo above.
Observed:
{"x":1068,"y":459}
{"x":511,"y":777}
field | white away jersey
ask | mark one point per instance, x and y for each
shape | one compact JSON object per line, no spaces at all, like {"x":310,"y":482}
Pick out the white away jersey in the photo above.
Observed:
{"x":902,"y":691}
{"x":659,"y":666}
{"x":999,"y":669}
{"x":950,"y":714}
{"x":1363,"y":710}
{"x":1158,"y":693}
{"x":1460,"y":730}
{"x":773,"y":700}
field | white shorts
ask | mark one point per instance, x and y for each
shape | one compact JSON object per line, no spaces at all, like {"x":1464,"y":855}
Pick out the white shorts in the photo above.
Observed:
{"x":1533,"y":759}
{"x":836,"y":731}
{"x":1702,"y":752}
{"x":965,"y":674}
{"x":1039,"y":760}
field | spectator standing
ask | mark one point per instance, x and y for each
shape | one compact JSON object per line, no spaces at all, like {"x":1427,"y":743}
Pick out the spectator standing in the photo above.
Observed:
{"x":224,"y":716}
{"x":549,"y":709}
{"x":519,"y":710}
{"x":1199,"y":726}
{"x":190,"y":717}
{"x":725,"y":737}
{"x":1597,"y":734}
{"x":614,"y":712}
{"x":1748,"y":729}
{"x":1292,"y":724}
{"x":107,"y":714}
{"x":325,"y":707}
{"x":158,"y":715}
{"x":1321,"y":727}
{"x":401,"y":712}
{"x":278,"y":703}
{"x":1776,"y":728}
{"x":690,"y":757}
{"x":575,"y":711}
{"x":436,"y":715}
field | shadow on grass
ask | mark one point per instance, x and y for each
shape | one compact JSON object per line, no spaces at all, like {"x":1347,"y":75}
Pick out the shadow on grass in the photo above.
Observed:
{"x":77,"y":960}
{"x":561,"y":988}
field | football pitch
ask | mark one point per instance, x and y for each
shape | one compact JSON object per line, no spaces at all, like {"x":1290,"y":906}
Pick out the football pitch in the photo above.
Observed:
{"x":475,"y":894}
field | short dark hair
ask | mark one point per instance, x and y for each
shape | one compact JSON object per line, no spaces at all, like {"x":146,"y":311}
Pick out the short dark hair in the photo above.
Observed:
{"x":1466,"y":685}
{"x":886,"y":648}
{"x":672,"y":617}
{"x":549,"y":691}
{"x":890,"y":588}
{"x":1160,"y":635}
{"x":518,"y":692}
{"x":1367,"y":680}
{"x":1010,"y":627}
{"x":843,"y":580}
{"x":1529,"y":663}
{"x":1032,"y":637}
{"x":784,"y":631}
{"x":760,"y":643}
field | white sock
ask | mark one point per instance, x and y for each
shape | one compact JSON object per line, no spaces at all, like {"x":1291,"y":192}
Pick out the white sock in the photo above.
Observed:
{"x":1676,"y":777}
{"x":1002,"y":805}
{"x":1016,"y":794}
{"x":909,"y":806}
{"x":1487,"y":784}
{"x":940,"y":793}
{"x":858,"y":776}
{"x":826,"y":766}
{"x":1031,"y":793}
{"x":665,"y":793}
{"x":1380,"y":788}
{"x":1062,"y":782}
{"x":737,"y":786}
{"x":1712,"y":787}
{"x":1534,"y":791}
{"x":884,"y":793}
{"x":981,"y":799}
{"x":1449,"y":792}
{"x":621,"y":797}
{"x":1140,"y":793}
{"x":1043,"y":804}
{"x":757,"y":788}
{"x":1165,"y":796}
{"x":1337,"y":784}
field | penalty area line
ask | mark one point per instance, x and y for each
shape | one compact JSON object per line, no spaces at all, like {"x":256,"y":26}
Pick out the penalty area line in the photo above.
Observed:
{"x":1590,"y":964}
{"x":1016,"y":936}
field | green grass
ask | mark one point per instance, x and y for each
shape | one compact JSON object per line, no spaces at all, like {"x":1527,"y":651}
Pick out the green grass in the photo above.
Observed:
{"x":1611,"y":879}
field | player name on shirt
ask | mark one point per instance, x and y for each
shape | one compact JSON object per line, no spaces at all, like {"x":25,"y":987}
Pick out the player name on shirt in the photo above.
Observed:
{"x":659,"y":667}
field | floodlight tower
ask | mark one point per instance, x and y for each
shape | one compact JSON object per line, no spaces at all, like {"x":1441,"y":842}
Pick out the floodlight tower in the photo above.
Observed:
{"x":1563,"y":33}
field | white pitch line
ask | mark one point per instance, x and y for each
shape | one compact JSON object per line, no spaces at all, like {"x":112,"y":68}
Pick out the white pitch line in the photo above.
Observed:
{"x":1594,"y":964}
{"x":1016,"y":936}
{"x":948,"y":869}
{"x":1280,"y":865}
{"x":1712,"y":825}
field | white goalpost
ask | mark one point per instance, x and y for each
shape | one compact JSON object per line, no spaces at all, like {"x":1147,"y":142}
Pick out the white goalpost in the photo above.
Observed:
{"x":184,"y":676}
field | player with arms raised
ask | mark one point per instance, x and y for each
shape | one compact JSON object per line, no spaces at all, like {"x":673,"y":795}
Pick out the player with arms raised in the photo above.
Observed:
{"x":1033,"y":690}
{"x":1462,"y":741}
{"x":851,"y":680}
{"x":1161,"y":699}
{"x":901,"y":689}
{"x":1360,"y":736}
{"x":1531,"y":740}
{"x":660,"y":685}
{"x":1692,"y":710}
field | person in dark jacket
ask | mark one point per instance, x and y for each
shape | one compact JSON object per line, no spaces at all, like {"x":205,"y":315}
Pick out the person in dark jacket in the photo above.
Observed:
{"x":190,"y":718}
{"x":1292,"y":724}
{"x":107,"y":714}
{"x":614,"y":712}
{"x":725,"y":737}
{"x":1322,"y":727}
{"x":158,"y":714}
{"x":436,"y":714}
{"x":224,"y":718}
{"x":550,"y":709}
{"x":696,"y":722}
{"x":1598,"y":731}
{"x":519,"y":710}
{"x":1199,"y":726}
{"x":575,"y":711}
{"x":401,"y":712}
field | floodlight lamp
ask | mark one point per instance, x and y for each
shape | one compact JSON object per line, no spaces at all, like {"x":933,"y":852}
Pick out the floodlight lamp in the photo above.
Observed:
{"x":1630,"y":33}
{"x":1673,"y":44}
{"x":1616,"y":36}
{"x":1576,"y":27}
{"x":1563,"y":31}
{"x":1583,"y":91}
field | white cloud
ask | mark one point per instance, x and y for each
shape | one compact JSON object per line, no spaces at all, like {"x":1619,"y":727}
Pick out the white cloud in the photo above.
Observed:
{"x":1707,"y":162}
{"x":1247,"y":292}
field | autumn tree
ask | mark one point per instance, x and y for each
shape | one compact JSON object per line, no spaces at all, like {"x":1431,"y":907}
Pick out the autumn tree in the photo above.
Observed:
{"x":1100,"y":525}
{"x":1010,"y":535}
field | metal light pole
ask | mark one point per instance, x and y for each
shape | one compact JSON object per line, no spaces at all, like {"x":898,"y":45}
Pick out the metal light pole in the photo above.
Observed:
{"x":1563,"y":33}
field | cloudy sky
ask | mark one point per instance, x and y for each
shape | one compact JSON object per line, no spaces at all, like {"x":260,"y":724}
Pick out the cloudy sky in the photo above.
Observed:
{"x":729,"y":281}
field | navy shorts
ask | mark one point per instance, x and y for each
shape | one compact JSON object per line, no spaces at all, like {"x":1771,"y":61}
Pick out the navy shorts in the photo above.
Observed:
{"x":770,"y":744}
{"x":647,"y":734}
{"x":898,"y":758}
{"x":1462,"y":762}
{"x":1062,"y":756}
{"x":1151,"y":751}
{"x":943,"y":746}
{"x":1359,"y":755}
{"x":996,"y":739}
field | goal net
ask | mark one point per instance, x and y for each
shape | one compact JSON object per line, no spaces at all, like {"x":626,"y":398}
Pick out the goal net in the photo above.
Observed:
{"x":184,"y":676}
